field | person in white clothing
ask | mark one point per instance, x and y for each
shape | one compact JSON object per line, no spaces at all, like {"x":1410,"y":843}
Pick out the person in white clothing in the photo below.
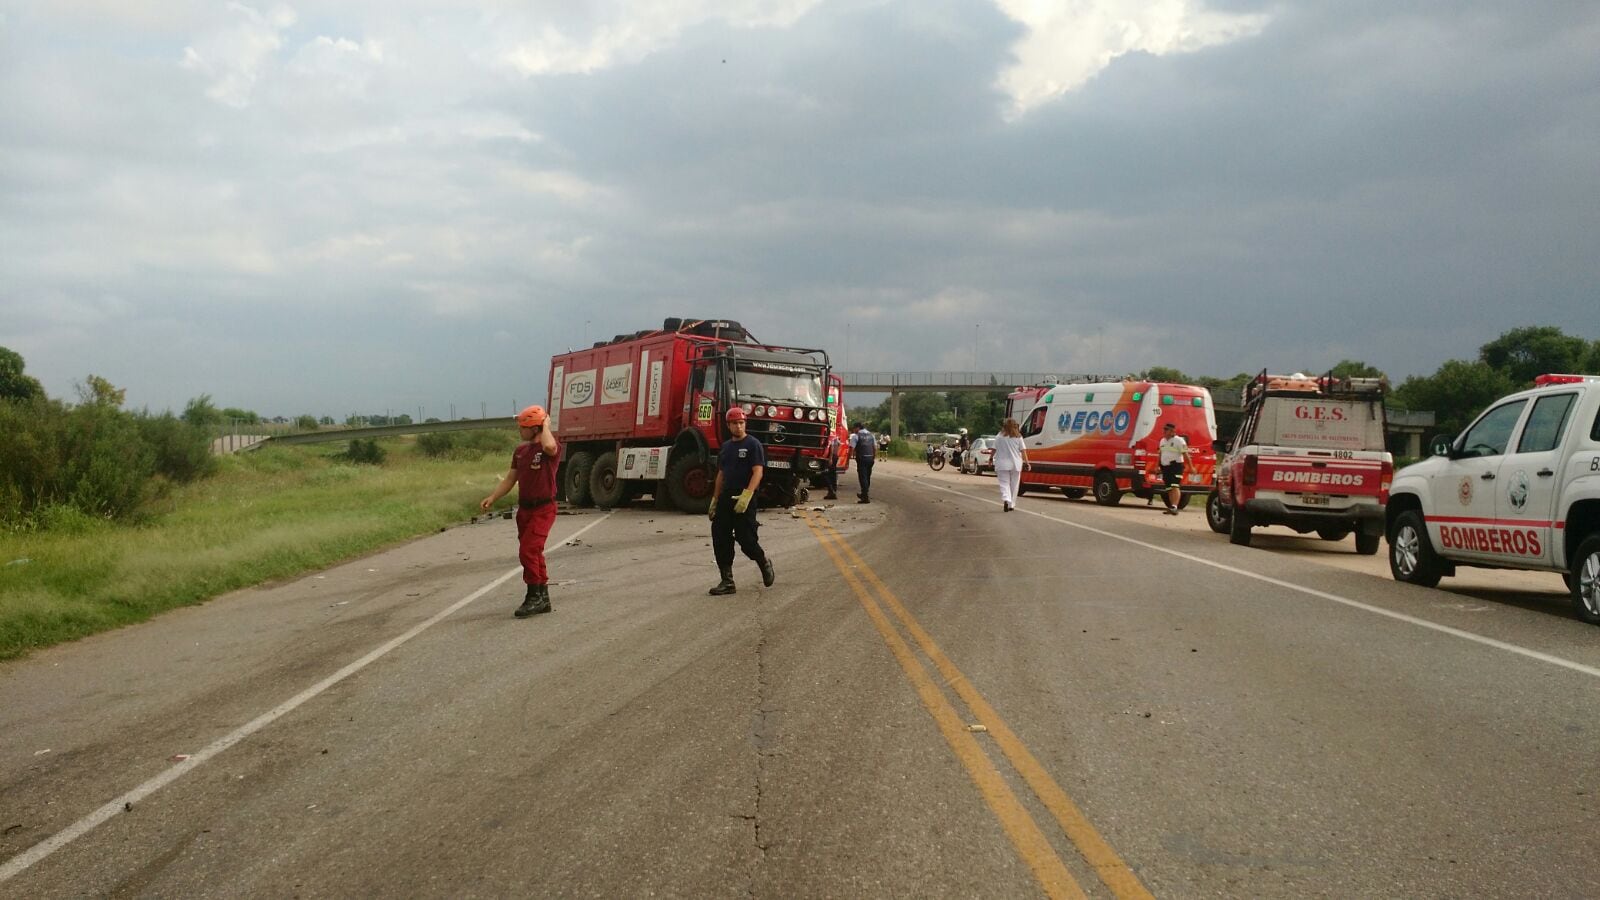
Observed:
{"x":1010,"y":458}
{"x":1174,"y":453}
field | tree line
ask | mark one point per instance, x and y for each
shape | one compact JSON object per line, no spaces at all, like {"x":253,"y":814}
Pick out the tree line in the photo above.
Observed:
{"x":1456,"y":392}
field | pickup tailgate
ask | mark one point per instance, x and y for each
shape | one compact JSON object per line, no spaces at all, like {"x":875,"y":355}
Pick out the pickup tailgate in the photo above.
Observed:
{"x":1321,"y":479}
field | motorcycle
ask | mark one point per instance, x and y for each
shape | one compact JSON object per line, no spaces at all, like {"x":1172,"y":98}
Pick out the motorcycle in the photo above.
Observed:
{"x":937,"y":457}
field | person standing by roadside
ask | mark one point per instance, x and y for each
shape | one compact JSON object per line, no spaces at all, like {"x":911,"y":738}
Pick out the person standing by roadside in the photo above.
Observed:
{"x":1010,"y":458}
{"x":831,"y":476}
{"x":741,"y":463}
{"x":533,"y":471}
{"x":865,"y":449}
{"x":1174,"y":453}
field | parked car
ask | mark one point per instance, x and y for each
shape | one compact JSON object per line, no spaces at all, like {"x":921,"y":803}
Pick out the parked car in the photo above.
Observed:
{"x":980,"y":458}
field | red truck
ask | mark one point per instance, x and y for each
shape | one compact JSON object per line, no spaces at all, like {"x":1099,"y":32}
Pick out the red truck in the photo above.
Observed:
{"x":644,"y":413}
{"x":1309,"y":454}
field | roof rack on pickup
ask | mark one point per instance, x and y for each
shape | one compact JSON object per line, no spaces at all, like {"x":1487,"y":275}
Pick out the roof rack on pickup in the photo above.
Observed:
{"x":1302,"y":385}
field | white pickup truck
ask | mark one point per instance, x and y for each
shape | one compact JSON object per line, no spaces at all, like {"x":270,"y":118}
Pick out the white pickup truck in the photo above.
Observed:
{"x":1519,"y":489}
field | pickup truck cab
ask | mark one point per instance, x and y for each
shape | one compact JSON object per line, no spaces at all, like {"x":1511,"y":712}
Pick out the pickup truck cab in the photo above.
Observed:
{"x":1518,"y":489}
{"x":1309,"y":454}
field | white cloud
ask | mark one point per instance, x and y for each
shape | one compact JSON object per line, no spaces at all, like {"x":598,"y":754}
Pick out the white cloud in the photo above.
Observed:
{"x":1068,"y":44}
{"x":233,"y":55}
{"x":627,"y":32}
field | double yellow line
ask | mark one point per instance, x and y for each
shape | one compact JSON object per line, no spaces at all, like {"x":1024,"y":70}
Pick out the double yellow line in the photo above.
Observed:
{"x":1024,"y":833}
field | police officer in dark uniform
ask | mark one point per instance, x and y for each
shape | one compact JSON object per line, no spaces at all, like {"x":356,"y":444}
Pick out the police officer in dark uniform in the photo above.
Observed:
{"x":865,"y":448}
{"x":740,"y":465}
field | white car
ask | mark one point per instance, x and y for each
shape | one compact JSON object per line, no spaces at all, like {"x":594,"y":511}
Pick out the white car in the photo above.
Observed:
{"x":1519,"y":489}
{"x":980,"y":458}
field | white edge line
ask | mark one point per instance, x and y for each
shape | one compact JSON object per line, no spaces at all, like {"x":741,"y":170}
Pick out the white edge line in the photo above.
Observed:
{"x":1562,"y":662}
{"x":17,"y":864}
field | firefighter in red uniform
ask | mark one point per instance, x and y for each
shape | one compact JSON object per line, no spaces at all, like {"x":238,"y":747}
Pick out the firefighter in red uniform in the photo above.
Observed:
{"x":533,"y":471}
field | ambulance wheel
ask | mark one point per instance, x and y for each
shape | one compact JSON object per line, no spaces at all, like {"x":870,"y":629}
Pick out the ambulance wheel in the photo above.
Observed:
{"x":578,"y":468}
{"x":1073,"y":493}
{"x":1239,"y":528}
{"x":1106,"y":492}
{"x":1218,"y":516}
{"x":689,"y":483}
{"x":1586,"y":580}
{"x":1367,"y":544}
{"x":1411,"y":556}
{"x":605,"y":487}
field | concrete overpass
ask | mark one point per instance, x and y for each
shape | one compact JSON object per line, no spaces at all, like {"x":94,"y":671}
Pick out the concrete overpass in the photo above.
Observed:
{"x":1413,"y":424}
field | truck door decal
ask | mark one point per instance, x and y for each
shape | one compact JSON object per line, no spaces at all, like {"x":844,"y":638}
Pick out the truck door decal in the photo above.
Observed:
{"x":556,"y":386}
{"x":644,"y":372}
{"x":655,"y":389}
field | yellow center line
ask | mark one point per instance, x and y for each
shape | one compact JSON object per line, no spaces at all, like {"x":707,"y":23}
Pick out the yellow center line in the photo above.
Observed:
{"x":1030,"y":842}
{"x":1105,"y":861}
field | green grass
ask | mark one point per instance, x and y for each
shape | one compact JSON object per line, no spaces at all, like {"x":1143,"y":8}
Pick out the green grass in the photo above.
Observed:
{"x":272,"y":514}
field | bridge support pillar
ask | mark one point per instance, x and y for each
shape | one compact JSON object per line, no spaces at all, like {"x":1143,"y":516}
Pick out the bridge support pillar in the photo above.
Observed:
{"x":894,"y":415}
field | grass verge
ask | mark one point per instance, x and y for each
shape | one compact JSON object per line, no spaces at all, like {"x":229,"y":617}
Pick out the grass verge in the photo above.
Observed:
{"x":274,"y":513}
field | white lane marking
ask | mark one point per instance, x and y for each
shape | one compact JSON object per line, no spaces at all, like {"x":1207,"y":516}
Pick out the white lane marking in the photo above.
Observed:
{"x":44,"y":848}
{"x":1562,"y":662}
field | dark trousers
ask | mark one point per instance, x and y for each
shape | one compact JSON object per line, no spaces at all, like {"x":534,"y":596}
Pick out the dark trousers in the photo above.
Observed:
{"x":831,"y":476}
{"x":729,"y":527}
{"x":864,"y":472}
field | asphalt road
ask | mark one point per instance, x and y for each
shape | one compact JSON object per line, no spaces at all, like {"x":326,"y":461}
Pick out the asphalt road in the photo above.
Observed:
{"x":937,"y":699}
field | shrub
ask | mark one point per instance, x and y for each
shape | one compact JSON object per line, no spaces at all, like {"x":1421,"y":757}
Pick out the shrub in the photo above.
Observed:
{"x":182,"y":451}
{"x":365,"y":452}
{"x":465,"y":444}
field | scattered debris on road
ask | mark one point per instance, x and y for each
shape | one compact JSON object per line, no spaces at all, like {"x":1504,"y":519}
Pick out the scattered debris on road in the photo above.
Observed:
{"x":978,"y":728}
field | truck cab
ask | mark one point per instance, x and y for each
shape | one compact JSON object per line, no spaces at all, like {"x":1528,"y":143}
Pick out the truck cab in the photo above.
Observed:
{"x":1518,"y":489}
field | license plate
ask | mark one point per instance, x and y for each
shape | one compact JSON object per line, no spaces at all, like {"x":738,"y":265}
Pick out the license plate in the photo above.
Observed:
{"x":779,"y":464}
{"x":1313,"y":500}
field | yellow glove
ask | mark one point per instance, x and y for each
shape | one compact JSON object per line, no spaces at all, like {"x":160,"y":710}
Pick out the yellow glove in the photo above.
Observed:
{"x":711,"y":512}
{"x":743,"y":503}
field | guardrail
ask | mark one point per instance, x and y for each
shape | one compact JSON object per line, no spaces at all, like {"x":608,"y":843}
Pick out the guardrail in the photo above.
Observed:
{"x":377,"y":431}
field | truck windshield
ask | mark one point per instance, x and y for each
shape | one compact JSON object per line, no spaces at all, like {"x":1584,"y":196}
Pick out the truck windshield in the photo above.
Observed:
{"x":785,"y":384}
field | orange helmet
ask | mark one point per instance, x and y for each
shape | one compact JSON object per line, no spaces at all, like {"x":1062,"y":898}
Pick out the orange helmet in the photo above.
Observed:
{"x":531,"y":417}
{"x":735,"y":415}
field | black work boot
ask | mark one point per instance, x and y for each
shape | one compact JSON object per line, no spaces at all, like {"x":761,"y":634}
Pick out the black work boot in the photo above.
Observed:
{"x":537,"y":601}
{"x":725,"y":586}
{"x":768,"y":573}
{"x":831,"y":495}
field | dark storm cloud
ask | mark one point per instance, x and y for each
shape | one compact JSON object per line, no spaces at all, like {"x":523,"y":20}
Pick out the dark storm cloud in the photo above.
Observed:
{"x":334,"y":211}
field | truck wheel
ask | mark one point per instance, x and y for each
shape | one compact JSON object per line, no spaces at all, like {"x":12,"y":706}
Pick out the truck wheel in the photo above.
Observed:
{"x":1218,"y":516}
{"x":605,"y":487}
{"x":1072,"y":493}
{"x":1106,"y":492}
{"x":578,"y":467}
{"x":1239,"y":528}
{"x":1586,"y":580}
{"x":1183,"y":501}
{"x":1367,"y":544}
{"x":1411,"y":556}
{"x":1334,"y":534}
{"x":689,"y":483}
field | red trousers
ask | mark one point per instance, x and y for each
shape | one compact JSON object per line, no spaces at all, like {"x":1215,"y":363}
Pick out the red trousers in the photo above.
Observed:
{"x":533,"y":529}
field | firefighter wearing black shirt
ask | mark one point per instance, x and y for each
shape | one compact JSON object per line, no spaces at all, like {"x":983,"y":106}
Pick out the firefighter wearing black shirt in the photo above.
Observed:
{"x":740,"y":464}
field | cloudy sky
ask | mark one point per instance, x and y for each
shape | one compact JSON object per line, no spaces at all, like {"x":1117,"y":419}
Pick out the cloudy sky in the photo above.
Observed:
{"x":370,"y":204}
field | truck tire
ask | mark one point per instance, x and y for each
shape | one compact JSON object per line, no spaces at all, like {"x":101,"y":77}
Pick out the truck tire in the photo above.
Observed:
{"x":1072,"y":493}
{"x":1586,"y":580}
{"x":1239,"y":528}
{"x":1367,"y":544}
{"x":607,"y":490}
{"x":1218,"y":515}
{"x":1411,"y":556}
{"x":689,"y":482}
{"x":1183,"y":500}
{"x":1106,"y":492}
{"x":577,"y":478}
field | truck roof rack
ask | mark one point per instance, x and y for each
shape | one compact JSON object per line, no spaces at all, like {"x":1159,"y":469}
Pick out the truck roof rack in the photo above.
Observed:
{"x":1302,"y":385}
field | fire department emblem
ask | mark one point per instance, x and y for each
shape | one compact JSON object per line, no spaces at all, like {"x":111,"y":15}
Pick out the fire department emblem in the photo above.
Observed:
{"x":1517,"y":492}
{"x":1464,"y":492}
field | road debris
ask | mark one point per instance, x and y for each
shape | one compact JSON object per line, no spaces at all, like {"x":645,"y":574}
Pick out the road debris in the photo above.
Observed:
{"x":980,"y":729}
{"x":178,"y":757}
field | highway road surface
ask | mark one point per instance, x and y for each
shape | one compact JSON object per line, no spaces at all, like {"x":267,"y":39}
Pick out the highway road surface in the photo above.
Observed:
{"x":936,"y":699}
